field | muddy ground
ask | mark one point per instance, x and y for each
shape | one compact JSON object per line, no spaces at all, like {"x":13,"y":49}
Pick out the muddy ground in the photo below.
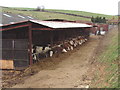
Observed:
{"x":68,"y":70}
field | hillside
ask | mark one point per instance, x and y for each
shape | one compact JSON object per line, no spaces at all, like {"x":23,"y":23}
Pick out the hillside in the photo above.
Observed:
{"x":50,"y":15}
{"x":83,"y":13}
{"x":42,"y":15}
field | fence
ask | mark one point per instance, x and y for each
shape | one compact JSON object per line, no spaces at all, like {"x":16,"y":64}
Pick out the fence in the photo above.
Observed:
{"x":16,"y":50}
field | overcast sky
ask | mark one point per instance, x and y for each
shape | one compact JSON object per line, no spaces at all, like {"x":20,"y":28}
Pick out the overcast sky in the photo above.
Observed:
{"x":109,"y":7}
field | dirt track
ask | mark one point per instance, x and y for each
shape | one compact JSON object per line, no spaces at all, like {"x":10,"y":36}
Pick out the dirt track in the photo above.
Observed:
{"x":70,"y":72}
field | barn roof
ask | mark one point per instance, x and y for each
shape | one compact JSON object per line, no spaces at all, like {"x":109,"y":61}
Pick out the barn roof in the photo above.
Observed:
{"x":54,"y":24}
{"x":49,"y":25}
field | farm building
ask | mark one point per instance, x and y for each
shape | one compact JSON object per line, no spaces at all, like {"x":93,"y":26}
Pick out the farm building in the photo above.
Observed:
{"x":96,"y":26}
{"x":113,"y":21}
{"x":19,"y":38}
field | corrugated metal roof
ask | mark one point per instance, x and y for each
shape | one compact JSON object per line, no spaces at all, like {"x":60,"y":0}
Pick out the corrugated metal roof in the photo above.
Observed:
{"x":8,"y":17}
{"x":54,"y":24}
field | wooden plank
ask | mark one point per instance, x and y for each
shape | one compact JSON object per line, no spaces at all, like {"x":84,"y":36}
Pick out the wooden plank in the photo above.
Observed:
{"x":6,"y":64}
{"x":14,"y":27}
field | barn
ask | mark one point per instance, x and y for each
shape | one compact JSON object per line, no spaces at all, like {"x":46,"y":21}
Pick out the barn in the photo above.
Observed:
{"x":19,"y":38}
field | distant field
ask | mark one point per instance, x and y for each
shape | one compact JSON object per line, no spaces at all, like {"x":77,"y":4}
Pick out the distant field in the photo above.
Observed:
{"x":43,"y":15}
{"x":19,"y":8}
{"x":83,"y":13}
{"x":48,"y":15}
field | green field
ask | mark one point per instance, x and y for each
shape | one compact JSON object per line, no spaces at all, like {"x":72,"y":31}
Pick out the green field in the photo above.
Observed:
{"x":83,"y":13}
{"x":43,"y":15}
{"x":47,"y":15}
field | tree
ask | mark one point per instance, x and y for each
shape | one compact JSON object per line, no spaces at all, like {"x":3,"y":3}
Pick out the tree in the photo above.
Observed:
{"x":93,"y":19}
{"x":104,"y":20}
{"x":97,"y":19}
{"x":100,"y":19}
{"x":42,"y":8}
{"x":38,"y":8}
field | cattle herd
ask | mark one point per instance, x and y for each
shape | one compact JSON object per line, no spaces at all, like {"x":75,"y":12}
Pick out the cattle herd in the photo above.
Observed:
{"x":39,"y":52}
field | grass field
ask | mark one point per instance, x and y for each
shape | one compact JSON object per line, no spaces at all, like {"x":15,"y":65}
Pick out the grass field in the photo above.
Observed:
{"x":83,"y":13}
{"x":43,"y":15}
{"x":47,"y":15}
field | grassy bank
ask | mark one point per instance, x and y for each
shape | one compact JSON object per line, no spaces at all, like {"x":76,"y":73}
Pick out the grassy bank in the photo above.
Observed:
{"x":106,"y":74}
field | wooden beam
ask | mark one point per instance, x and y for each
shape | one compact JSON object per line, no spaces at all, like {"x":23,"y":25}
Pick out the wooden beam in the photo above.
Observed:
{"x":42,"y":29}
{"x":30,"y":43}
{"x":14,"y":27}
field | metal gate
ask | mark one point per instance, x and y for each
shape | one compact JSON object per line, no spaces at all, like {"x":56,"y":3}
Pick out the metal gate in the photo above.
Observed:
{"x":16,"y":50}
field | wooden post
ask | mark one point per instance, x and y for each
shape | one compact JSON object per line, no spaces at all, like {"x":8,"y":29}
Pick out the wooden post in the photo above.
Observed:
{"x":51,"y":38}
{"x":30,"y":43}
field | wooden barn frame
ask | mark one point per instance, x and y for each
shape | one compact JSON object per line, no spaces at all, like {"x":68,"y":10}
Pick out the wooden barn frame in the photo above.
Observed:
{"x":18,"y":38}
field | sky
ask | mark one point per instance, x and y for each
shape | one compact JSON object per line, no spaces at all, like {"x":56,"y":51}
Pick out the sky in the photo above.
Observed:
{"x":109,"y":7}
